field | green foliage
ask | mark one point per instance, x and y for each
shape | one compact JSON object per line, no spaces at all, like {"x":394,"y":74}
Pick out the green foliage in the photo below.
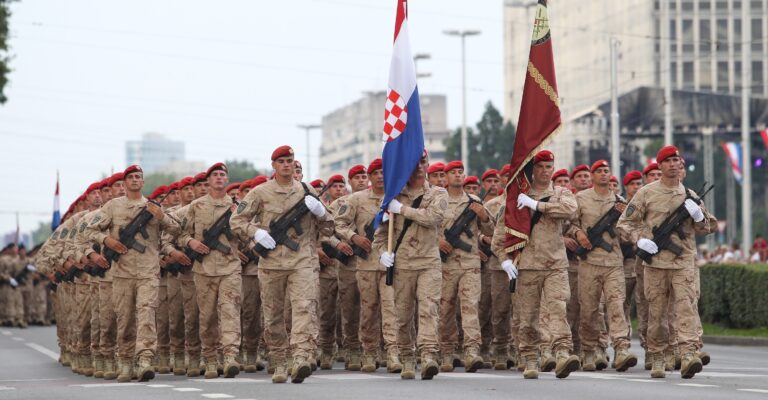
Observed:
{"x":152,"y":181}
{"x":5,"y":15}
{"x":42,"y":233}
{"x":490,"y":142}
{"x":653,"y":147}
{"x":734,"y":296}
{"x":240,"y":170}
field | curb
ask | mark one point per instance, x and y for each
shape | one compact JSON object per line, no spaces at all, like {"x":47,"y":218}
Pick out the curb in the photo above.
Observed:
{"x":735,"y":340}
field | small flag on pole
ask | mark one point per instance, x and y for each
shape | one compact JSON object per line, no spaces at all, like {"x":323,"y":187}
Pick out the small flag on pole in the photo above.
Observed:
{"x":56,"y":220}
{"x":764,"y":135}
{"x":733,"y":151}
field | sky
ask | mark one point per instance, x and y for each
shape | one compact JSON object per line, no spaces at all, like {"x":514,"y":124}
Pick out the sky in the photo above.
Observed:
{"x":231,"y":78}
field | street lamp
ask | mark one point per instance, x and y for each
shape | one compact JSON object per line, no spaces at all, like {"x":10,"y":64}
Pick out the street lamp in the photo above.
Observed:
{"x":464,"y":146}
{"x":307,"y":128}
{"x":416,"y":58}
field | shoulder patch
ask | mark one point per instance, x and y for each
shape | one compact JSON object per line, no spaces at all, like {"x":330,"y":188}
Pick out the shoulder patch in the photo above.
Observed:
{"x":82,"y":226}
{"x":343,"y":209}
{"x":64,"y":232}
{"x":72,"y":233}
{"x":55,"y":235}
{"x":184,"y":222}
{"x":240,"y":208}
{"x":96,"y":219}
{"x":630,"y":210}
{"x":443,"y":204}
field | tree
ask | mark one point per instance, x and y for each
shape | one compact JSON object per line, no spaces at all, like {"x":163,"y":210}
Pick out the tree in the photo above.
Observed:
{"x":156,"y":179}
{"x":241,"y":170}
{"x":5,"y":15}
{"x":491,"y":147}
{"x":42,"y":233}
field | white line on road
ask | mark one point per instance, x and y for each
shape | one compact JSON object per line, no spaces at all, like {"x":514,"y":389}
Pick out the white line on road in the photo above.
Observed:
{"x":349,"y":377}
{"x":753,"y":390}
{"x":43,"y":350}
{"x":470,"y":376}
{"x":7,"y":388}
{"x":217,"y":396}
{"x":18,"y":339}
{"x":228,"y":380}
{"x":103,"y":385}
{"x":645,"y":380}
{"x":729,"y":375}
{"x":188,"y":389}
{"x":6,"y":333}
{"x":696,"y":385}
{"x":159,"y":386}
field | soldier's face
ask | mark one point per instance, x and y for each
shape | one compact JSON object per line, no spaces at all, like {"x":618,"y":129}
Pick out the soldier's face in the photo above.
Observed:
{"x":187,"y":194}
{"x":455,"y":177}
{"x":218,"y":180}
{"x":284,"y":166}
{"x":472,"y":189}
{"x":582,"y":180}
{"x":652,"y":176}
{"x":106,"y":194}
{"x":377,"y":179}
{"x":118,"y":189}
{"x":504,"y":179}
{"x":601,"y":176}
{"x":562,"y":181}
{"x":614,"y":187}
{"x":491,"y":184}
{"x":234,"y":193}
{"x":201,"y":189}
{"x":337,"y":190}
{"x":173,"y":198}
{"x":670,"y":167}
{"x":683,"y":173}
{"x":134,"y":182}
{"x":542,"y":172}
{"x":438,"y":179}
{"x":94,"y":199}
{"x":419,"y":173}
{"x":633,"y":187}
{"x":298,"y":174}
{"x":244,"y":192}
{"x":359,"y":182}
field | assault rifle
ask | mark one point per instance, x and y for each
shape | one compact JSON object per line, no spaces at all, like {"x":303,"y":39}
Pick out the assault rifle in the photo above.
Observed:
{"x":459,"y":226}
{"x":606,"y":223}
{"x":93,"y":269}
{"x":358,"y":251}
{"x":334,"y":253}
{"x":662,"y":234}
{"x":127,"y":234}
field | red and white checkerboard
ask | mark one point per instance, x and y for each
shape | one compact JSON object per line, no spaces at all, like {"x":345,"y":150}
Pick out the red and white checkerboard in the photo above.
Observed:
{"x":395,"y":116}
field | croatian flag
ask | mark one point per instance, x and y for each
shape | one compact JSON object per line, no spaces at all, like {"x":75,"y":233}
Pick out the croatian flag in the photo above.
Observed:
{"x":56,"y":220}
{"x":403,"y":137}
{"x":733,"y":151}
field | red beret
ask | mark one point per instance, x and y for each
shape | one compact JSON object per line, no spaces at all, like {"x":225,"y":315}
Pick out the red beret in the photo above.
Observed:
{"x":559,"y":173}
{"x":282,"y":151}
{"x":666,"y":152}
{"x":232,"y":186}
{"x":190,"y":180}
{"x":357,"y":169}
{"x":219,"y":166}
{"x":582,"y":167}
{"x":116,"y":177}
{"x":132,"y":168}
{"x":650,"y":168}
{"x":247,"y":184}
{"x":544,"y":155}
{"x":505,"y":170}
{"x":436,"y":167}
{"x":374,"y":165}
{"x":597,"y":164}
{"x":335,"y":179}
{"x":93,"y":186}
{"x":317,"y":183}
{"x":631,"y":176}
{"x":104,"y":183}
{"x":614,"y":179}
{"x":174,"y":186}
{"x":80,"y":198}
{"x":452,"y":165}
{"x":159,"y":191}
{"x":491,"y":172}
{"x":471,"y":180}
{"x":200,"y":177}
{"x":297,"y":164}
{"x":258,"y":180}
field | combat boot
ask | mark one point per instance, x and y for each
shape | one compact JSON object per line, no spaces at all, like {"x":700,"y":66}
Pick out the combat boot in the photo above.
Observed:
{"x":164,"y":364}
{"x":125,"y":371}
{"x":353,"y":361}
{"x":110,"y":369}
{"x":394,"y":365}
{"x":531,"y":368}
{"x":669,"y":360}
{"x":98,"y":366}
{"x":281,"y":372}
{"x":704,"y":357}
{"x":500,"y":361}
{"x":472,"y":361}
{"x":520,"y":363}
{"x":429,"y":367}
{"x":409,"y":368}
{"x":487,"y":364}
{"x":86,"y":365}
{"x":260,"y":365}
{"x":211,"y":371}
{"x":250,"y":362}
{"x":589,"y":363}
{"x":194,"y":369}
{"x":74,"y":363}
{"x":301,"y":369}
{"x":678,"y":357}
{"x":566,"y":363}
{"x":690,"y":366}
{"x":312,"y":364}
{"x":601,"y":359}
{"x":369,"y":362}
{"x":548,"y":361}
{"x":231,"y":366}
{"x":146,"y":371}
{"x":648,"y":360}
{"x":657,"y":368}
{"x":178,"y":364}
{"x":220,"y":364}
{"x":65,"y":359}
{"x":326,"y":360}
{"x":447,"y":363}
{"x":624,"y":360}
{"x":512,"y":358}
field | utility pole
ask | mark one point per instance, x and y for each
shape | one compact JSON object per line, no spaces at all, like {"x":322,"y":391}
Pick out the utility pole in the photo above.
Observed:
{"x":746,"y":146}
{"x":709,"y":174}
{"x":665,"y":69}
{"x":615,"y":145}
{"x":464,"y":143}
{"x":416,"y":58}
{"x":308,"y":162}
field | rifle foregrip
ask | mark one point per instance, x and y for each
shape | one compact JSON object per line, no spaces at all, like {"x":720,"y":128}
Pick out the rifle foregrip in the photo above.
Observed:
{"x":512,"y":285}
{"x":390,"y":280}
{"x":645,"y":256}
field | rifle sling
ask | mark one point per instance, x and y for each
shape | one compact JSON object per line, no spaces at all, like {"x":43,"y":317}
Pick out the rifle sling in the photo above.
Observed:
{"x":407,"y":224}
{"x":538,"y":214}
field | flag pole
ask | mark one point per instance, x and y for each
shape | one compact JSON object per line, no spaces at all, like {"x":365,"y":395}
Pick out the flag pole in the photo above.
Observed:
{"x":390,"y":246}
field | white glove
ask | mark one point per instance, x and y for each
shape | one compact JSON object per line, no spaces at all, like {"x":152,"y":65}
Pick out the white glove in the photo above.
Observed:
{"x":385,"y":218}
{"x":387,"y":259}
{"x":263,"y":238}
{"x":31,"y":268}
{"x":509,"y":268}
{"x":13,"y":282}
{"x":395,"y":206}
{"x":315,"y":206}
{"x":694,"y":210}
{"x":648,"y":245}
{"x":524,"y":201}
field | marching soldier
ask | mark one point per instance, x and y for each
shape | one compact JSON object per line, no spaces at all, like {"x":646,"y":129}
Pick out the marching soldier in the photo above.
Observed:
{"x":632,"y":182}
{"x":436,"y":174}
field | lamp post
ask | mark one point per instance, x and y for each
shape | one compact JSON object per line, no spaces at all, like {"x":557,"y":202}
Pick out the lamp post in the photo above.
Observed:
{"x":307,"y":128}
{"x":464,"y":145}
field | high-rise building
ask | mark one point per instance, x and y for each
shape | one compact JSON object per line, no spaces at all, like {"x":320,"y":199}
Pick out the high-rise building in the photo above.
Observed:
{"x":153,"y":152}
{"x":352,"y":134}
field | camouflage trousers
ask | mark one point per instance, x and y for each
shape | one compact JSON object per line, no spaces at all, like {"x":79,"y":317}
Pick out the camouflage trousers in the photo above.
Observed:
{"x":300,"y":286}
{"x":175,"y":315}
{"x":377,"y":312}
{"x":161,"y":321}
{"x":424,"y":286}
{"x":191,"y":317}
{"x":38,"y":307}
{"x":630,"y":285}
{"x":501,"y":312}
{"x":135,"y":302}
{"x":462,"y":285}
{"x":253,"y":329}
{"x":107,"y":321}
{"x":484,"y":310}
{"x":533,"y":288}
{"x":95,"y":316}
{"x":596,"y":283}
{"x":58,"y":311}
{"x":219,"y":300}
{"x":573,"y":307}
{"x":83,"y":304}
{"x":327,"y":296}
{"x":661,"y":287}
{"x":349,"y":309}
{"x":641,"y":305}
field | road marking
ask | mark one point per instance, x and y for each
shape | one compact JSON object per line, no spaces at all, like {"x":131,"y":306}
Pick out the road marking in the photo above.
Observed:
{"x":217,"y":396}
{"x":159,"y":386}
{"x":473,"y":375}
{"x":43,"y":350}
{"x":729,"y":375}
{"x":188,"y":389}
{"x":103,"y":385}
{"x":348,"y":377}
{"x":18,"y":339}
{"x":7,"y":388}
{"x":645,"y":380}
{"x":228,"y":380}
{"x":6,"y":333}
{"x":33,"y":380}
{"x":753,"y":390}
{"x":696,"y":385}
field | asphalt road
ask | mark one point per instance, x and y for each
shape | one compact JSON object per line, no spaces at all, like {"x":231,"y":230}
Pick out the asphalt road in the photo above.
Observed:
{"x":28,"y":370}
